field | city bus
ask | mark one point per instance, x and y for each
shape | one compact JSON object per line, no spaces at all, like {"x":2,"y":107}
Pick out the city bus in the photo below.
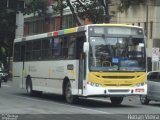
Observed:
{"x":96,"y":60}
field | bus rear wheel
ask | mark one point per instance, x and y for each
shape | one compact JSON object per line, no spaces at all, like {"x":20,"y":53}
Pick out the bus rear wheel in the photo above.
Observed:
{"x":116,"y":100}
{"x":29,"y":87}
{"x":68,"y":94}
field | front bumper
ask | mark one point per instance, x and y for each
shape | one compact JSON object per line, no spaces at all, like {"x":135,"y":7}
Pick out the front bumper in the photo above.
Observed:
{"x":114,"y":91}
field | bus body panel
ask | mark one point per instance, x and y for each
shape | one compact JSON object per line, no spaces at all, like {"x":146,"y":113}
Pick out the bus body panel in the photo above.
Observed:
{"x":48,"y":76}
{"x":17,"y":74}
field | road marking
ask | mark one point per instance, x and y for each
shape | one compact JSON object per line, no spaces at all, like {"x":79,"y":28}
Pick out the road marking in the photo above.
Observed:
{"x":6,"y":86}
{"x":97,"y":111}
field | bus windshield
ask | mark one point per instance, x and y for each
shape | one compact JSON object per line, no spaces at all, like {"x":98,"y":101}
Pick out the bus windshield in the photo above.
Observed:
{"x":117,"y":54}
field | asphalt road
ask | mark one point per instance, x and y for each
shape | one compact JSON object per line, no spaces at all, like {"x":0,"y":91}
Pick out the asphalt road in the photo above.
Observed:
{"x":15,"y":103}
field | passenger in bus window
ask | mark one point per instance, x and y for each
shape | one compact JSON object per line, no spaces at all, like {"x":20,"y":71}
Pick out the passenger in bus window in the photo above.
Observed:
{"x":57,"y":46}
{"x":71,"y":47}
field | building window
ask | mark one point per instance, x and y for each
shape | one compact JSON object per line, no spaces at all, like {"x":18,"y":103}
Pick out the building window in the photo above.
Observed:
{"x":32,"y":28}
{"x":40,"y":26}
{"x":53,"y":21}
{"x":68,"y":21}
{"x":26,"y":28}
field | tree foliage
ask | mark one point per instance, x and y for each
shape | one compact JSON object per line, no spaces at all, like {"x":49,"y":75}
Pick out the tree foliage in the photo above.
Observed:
{"x":125,"y":4}
{"x":97,"y":11}
{"x":35,"y":6}
{"x":7,"y":32}
{"x":59,"y":7}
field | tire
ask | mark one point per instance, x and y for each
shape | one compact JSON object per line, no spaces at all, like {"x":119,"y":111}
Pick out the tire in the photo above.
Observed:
{"x":5,"y":80}
{"x":29,"y":89}
{"x":116,"y":100}
{"x":144,"y":100}
{"x":68,"y":94}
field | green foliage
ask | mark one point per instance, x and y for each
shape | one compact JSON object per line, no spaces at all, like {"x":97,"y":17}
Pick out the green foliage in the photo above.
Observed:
{"x":7,"y":32}
{"x":95,"y":10}
{"x":36,"y":6}
{"x":125,"y":4}
{"x":58,"y":7}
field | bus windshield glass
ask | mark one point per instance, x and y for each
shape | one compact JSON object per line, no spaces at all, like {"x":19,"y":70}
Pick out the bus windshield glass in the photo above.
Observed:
{"x":117,"y":54}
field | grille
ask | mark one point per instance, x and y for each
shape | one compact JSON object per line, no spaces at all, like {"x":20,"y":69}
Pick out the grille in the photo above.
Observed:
{"x":118,"y":84}
{"x":119,"y":77}
{"x":116,"y":91}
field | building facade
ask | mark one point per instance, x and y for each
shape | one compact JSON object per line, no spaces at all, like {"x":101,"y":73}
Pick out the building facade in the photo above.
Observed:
{"x":145,"y":15}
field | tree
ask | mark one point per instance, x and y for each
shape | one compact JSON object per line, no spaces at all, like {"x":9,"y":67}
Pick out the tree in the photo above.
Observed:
{"x":8,"y":10}
{"x":7,"y":33}
{"x":36,"y":7}
{"x":59,"y":6}
{"x":97,"y":11}
{"x":125,"y":4}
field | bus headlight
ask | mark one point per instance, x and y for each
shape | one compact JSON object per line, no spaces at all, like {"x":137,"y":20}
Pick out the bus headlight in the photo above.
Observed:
{"x":140,"y":84}
{"x":97,"y":85}
{"x":94,"y":84}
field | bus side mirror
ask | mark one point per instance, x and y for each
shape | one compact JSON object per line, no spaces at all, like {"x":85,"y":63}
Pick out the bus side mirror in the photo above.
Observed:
{"x":85,"y":47}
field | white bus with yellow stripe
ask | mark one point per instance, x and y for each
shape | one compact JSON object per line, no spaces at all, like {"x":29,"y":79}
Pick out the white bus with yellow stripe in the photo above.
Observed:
{"x":97,"y":60}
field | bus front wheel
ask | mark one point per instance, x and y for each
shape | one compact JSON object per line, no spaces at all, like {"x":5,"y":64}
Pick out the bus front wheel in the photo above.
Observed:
{"x":144,"y":100}
{"x":29,"y":89}
{"x":68,"y":94}
{"x":116,"y":100}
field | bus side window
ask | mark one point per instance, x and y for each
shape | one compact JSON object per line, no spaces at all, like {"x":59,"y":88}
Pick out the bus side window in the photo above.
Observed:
{"x":65,"y":47}
{"x":17,"y":52}
{"x":79,"y":50}
{"x":28,"y":51}
{"x":37,"y":50}
{"x":71,"y":47}
{"x":56,"y":47}
{"x":46,"y":49}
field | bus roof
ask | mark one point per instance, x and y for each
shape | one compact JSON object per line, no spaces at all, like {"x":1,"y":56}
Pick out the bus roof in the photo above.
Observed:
{"x":118,"y":25}
{"x":68,"y":31}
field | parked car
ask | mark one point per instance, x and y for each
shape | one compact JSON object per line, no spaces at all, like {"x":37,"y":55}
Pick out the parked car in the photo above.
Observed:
{"x":153,"y":88}
{"x":3,"y":75}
